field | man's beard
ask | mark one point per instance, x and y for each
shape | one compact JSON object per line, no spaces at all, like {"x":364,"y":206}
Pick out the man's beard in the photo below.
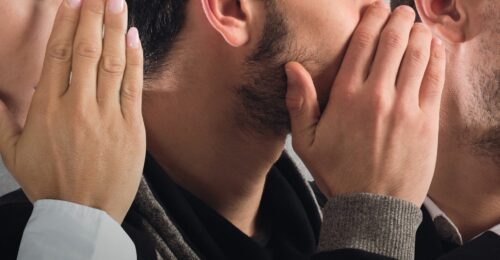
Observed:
{"x":263,"y":89}
{"x":487,"y":142}
{"x":485,"y":78}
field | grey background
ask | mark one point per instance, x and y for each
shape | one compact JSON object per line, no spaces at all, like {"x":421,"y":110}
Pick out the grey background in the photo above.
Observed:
{"x":8,"y":184}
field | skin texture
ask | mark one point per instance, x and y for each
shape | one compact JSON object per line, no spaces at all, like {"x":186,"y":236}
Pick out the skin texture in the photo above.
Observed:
{"x":199,"y":126}
{"x":69,"y":147}
{"x":231,"y":158}
{"x":467,"y":178}
{"x":372,"y":108}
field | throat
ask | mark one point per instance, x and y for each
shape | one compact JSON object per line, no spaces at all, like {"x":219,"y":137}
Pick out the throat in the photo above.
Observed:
{"x":235,"y":194}
{"x":465,"y":188}
{"x":225,"y":172}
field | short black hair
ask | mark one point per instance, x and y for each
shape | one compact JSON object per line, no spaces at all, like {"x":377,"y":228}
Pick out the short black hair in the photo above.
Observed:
{"x":411,"y":3}
{"x":159,"y":23}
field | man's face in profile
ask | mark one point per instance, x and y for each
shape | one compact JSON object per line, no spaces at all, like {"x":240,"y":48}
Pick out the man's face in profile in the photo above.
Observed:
{"x":314,"y":33}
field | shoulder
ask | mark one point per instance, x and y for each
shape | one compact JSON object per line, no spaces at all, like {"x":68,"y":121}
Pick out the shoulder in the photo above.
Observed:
{"x":15,"y":211}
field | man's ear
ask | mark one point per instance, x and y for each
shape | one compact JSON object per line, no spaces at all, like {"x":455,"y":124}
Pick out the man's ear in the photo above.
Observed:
{"x":447,"y":18}
{"x":230,"y":19}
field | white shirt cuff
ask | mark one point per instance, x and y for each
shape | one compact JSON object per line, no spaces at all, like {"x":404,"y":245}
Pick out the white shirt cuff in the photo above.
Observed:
{"x":65,"y":230}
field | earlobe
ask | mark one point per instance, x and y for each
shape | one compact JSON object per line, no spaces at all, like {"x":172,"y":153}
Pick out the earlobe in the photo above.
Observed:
{"x":447,"y":18}
{"x":228,"y":17}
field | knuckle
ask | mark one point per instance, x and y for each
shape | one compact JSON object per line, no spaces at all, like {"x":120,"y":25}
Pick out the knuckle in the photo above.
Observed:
{"x":112,"y":64}
{"x":129,"y":92}
{"x":438,"y":55}
{"x":434,"y":77}
{"x":421,"y":29}
{"x":418,"y":55}
{"x":60,"y":52}
{"x":363,"y":38}
{"x":88,"y":50}
{"x":380,"y":103}
{"x":348,"y":94}
{"x":392,"y":38}
{"x":70,"y":19}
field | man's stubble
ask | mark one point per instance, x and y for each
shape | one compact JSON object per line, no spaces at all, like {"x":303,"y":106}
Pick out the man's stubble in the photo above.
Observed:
{"x":262,"y":93}
{"x":484,"y":77}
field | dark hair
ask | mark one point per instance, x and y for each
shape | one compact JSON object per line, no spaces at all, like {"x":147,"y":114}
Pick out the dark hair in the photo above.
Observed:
{"x":159,"y":23}
{"x":411,"y":3}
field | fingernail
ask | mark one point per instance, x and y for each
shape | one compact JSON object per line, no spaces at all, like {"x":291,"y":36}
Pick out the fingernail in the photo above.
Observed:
{"x":133,"y":40}
{"x":406,"y":8}
{"x":74,"y":3}
{"x":381,"y":4}
{"x":115,"y":6}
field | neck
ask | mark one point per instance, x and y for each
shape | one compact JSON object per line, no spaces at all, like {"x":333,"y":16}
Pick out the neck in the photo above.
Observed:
{"x":193,"y":135}
{"x":465,"y":187}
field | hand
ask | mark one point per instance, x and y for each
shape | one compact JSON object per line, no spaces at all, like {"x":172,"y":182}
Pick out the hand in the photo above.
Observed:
{"x":379,"y":131}
{"x":84,"y":139}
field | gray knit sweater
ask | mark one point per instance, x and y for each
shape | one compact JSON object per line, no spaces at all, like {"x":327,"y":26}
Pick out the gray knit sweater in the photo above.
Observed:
{"x":376,"y":224}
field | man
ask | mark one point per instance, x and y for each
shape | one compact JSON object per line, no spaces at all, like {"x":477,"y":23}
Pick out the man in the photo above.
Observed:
{"x":223,"y":195}
{"x":462,"y":213}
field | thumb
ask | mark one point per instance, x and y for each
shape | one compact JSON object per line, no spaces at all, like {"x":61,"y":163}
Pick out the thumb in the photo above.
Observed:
{"x":9,"y":134}
{"x":302,"y":104}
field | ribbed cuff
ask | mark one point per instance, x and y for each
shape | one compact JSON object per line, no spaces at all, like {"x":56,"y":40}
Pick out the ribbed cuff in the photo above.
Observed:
{"x":378,"y":224}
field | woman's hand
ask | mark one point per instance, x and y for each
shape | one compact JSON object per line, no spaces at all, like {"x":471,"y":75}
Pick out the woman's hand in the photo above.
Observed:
{"x":84,"y":139}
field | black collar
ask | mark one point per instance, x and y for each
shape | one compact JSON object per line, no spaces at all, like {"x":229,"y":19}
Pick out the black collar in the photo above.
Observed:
{"x":430,"y":245}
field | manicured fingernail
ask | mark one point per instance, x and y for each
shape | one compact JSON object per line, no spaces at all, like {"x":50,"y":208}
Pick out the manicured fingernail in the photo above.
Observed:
{"x":133,"y":40}
{"x":115,"y":6}
{"x":74,"y":3}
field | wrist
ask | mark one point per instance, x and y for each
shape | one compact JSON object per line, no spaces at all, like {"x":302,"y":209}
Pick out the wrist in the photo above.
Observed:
{"x":331,"y":191}
{"x":73,"y":207}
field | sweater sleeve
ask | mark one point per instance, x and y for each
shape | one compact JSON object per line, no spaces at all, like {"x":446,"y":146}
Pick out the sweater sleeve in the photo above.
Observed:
{"x":377,"y":225}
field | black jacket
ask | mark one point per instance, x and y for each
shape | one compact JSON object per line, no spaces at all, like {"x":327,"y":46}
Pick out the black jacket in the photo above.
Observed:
{"x":288,"y":211}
